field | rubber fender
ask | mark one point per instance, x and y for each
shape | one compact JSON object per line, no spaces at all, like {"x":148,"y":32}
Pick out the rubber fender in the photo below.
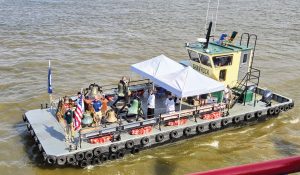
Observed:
{"x":61,"y":160}
{"x":247,"y":117}
{"x":224,"y":122}
{"x":104,"y":157}
{"x":85,"y":163}
{"x":24,"y":118}
{"x":51,"y":160}
{"x":120,"y":154}
{"x":277,"y":111}
{"x":159,"y":137}
{"x":89,"y":155}
{"x":135,"y":150}
{"x":258,"y":114}
{"x":79,"y":156}
{"x":173,"y":135}
{"x":286,"y":107}
{"x":129,"y":144}
{"x":28,"y":126}
{"x":236,"y":119}
{"x":271,"y":111}
{"x":96,"y":161}
{"x":291,"y":105}
{"x":40,"y":147}
{"x":113,"y":148}
{"x":281,"y":108}
{"x":200,"y":128}
{"x":97,"y":152}
{"x":213,"y":125}
{"x":145,"y":140}
{"x":112,"y":156}
{"x":32,"y":133}
{"x":71,"y":159}
{"x":187,"y":131}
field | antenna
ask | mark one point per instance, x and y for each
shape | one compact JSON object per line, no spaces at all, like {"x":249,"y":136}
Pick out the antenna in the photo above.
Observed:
{"x":216,"y":16}
{"x":206,"y":14}
{"x":208,"y":35}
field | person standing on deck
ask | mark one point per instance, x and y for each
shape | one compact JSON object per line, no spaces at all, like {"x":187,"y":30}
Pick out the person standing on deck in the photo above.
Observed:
{"x":69,"y":126}
{"x":97,"y":105}
{"x":227,"y":96}
{"x":123,"y":92}
{"x":170,"y":104}
{"x":151,"y":104}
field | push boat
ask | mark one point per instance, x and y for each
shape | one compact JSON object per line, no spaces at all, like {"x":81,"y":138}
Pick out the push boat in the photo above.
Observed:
{"x":212,"y":67}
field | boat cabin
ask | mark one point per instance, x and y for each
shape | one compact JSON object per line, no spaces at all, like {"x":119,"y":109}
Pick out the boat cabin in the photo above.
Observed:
{"x":224,"y":62}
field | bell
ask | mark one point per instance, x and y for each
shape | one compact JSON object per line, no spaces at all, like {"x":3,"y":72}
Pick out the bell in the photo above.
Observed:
{"x":111,"y":116}
{"x":94,"y":92}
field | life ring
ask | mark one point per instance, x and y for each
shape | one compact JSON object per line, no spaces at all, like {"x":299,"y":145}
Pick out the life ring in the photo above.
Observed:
{"x":71,"y":159}
{"x":79,"y":156}
{"x":61,"y":160}
{"x":112,"y":156}
{"x":277,"y":111}
{"x":96,"y":161}
{"x":174,"y":135}
{"x":247,"y":117}
{"x":97,"y":152}
{"x":213,"y":125}
{"x":286,"y":107}
{"x":200,"y":128}
{"x":129,"y":144}
{"x":51,"y":160}
{"x":88,"y":155}
{"x":291,"y":105}
{"x":159,"y":137}
{"x":135,"y":150}
{"x":187,"y":131}
{"x":85,"y":163}
{"x":258,"y":114}
{"x":120,"y":154}
{"x":236,"y":119}
{"x":103,"y":157}
{"x":145,"y":140}
{"x":224,"y":122}
{"x":113,"y":148}
{"x":271,"y":111}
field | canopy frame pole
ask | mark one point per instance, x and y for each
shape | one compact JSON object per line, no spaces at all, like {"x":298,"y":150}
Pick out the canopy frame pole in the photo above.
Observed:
{"x":179,"y":111}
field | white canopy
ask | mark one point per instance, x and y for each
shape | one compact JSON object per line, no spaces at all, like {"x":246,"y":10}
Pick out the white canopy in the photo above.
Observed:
{"x":157,"y":66}
{"x":188,"y":82}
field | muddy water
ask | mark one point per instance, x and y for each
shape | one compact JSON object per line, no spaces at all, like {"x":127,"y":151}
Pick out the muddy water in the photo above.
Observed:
{"x":96,"y":41}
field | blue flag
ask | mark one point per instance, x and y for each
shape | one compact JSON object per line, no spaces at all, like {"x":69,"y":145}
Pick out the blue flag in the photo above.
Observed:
{"x":49,"y":79}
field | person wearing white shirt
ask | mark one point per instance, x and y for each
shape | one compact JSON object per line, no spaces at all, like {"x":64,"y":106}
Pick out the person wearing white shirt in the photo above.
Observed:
{"x":151,"y":104}
{"x":170,"y":104}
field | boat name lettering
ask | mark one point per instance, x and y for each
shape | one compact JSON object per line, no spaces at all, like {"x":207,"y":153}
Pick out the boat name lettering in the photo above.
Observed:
{"x":200,"y":69}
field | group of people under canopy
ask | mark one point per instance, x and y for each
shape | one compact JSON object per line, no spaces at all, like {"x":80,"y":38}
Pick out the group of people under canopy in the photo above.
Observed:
{"x":177,"y":80}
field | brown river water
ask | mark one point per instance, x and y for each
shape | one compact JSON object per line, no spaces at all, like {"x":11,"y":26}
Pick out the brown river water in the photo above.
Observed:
{"x":97,"y":40}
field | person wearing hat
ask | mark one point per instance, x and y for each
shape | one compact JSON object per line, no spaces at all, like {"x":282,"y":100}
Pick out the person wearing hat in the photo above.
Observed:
{"x":69,"y":125}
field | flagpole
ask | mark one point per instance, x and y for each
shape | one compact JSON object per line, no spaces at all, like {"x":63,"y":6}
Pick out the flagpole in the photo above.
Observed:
{"x":50,"y":84}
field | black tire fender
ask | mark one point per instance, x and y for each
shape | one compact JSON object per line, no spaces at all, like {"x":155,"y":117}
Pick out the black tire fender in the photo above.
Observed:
{"x":112,"y":156}
{"x":271,"y":111}
{"x":258,"y":114}
{"x":135,"y":150}
{"x":286,"y":107}
{"x":113,"y":148}
{"x":236,"y":120}
{"x":85,"y":163}
{"x":247,"y":117}
{"x":213,"y":125}
{"x":120,"y":154}
{"x":97,"y":152}
{"x":96,"y":161}
{"x":200,"y":128}
{"x":291,"y":105}
{"x":224,"y":122}
{"x":79,"y":156}
{"x":145,"y":140}
{"x":281,"y":108}
{"x":159,"y":137}
{"x":103,"y":157}
{"x":129,"y":144}
{"x":71,"y":159}
{"x":277,"y":111}
{"x":51,"y":160}
{"x":174,"y":135}
{"x":187,"y":131}
{"x":61,"y":160}
{"x":89,"y":155}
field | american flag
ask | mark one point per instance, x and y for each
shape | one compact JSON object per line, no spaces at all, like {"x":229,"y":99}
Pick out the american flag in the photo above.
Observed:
{"x":78,"y":113}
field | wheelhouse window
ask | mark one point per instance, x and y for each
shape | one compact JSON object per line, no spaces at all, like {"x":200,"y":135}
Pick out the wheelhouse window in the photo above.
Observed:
{"x":245,"y":58}
{"x":224,"y":60}
{"x":194,"y":56}
{"x":204,"y":59}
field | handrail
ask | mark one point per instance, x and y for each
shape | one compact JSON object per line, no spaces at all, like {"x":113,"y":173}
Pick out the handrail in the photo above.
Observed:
{"x":279,"y":166}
